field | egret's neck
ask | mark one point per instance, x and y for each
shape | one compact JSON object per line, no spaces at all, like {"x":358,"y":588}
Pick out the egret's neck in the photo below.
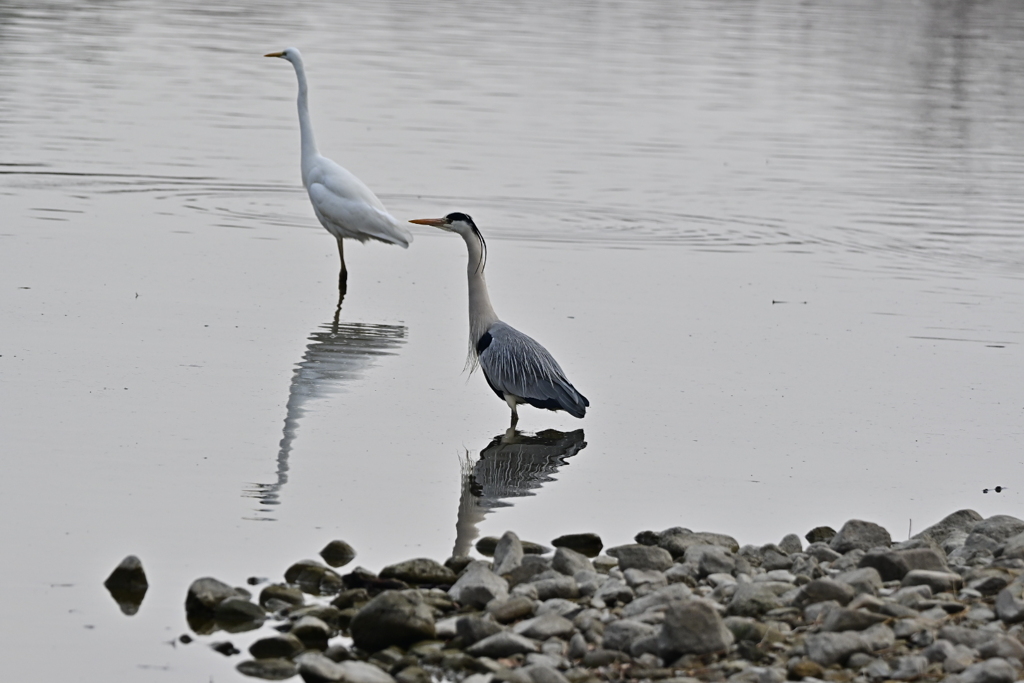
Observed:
{"x":481,"y":313}
{"x":309,"y":150}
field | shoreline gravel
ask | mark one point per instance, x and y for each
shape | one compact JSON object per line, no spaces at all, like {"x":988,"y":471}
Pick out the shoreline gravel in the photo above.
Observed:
{"x":676,"y":605}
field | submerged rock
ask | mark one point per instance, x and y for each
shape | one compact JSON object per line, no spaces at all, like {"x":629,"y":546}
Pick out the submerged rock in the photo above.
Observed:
{"x":338,"y":553}
{"x":587,"y":544}
{"x":128,"y":584}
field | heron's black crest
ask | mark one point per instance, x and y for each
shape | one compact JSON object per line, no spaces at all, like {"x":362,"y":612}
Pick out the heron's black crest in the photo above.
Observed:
{"x":483,"y":343}
{"x":459,"y":216}
{"x":465,"y":218}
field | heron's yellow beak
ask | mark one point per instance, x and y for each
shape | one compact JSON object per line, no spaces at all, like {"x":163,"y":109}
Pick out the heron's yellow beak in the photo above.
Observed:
{"x":436,"y":222}
{"x":274,"y":54}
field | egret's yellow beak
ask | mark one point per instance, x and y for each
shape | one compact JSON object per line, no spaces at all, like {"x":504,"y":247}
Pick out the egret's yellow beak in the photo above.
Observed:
{"x":274,"y":54}
{"x":436,"y":222}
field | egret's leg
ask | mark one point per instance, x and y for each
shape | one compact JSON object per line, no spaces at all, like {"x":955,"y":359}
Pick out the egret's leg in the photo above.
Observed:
{"x":343,"y":275}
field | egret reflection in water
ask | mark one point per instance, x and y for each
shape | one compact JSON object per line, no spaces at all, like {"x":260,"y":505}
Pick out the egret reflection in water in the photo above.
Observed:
{"x":337,"y":353}
{"x":513,"y":465}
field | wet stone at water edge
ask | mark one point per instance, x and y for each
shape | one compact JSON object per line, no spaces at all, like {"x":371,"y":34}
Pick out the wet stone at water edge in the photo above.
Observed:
{"x":128,"y":585}
{"x":677,"y":605}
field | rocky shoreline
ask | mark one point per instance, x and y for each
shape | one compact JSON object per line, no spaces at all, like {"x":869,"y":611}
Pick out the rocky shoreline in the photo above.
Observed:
{"x":677,"y":606}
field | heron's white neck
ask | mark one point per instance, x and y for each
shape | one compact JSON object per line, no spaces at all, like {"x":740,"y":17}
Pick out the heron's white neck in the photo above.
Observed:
{"x":309,"y":151}
{"x":481,"y":313}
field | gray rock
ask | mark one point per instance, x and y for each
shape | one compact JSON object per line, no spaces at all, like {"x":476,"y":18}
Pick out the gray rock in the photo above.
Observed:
{"x":478,"y":585}
{"x":504,"y":644}
{"x":313,"y":577}
{"x":569,"y":562}
{"x":820,"y":534}
{"x":237,"y":610}
{"x":745,"y":628}
{"x":531,"y":566}
{"x":756,"y":599}
{"x":715,"y":560}
{"x":820,"y":590}
{"x":877,"y":669}
{"x":928,"y":558}
{"x":992,"y":533}
{"x":577,"y":646}
{"x":613,"y":592}
{"x":512,"y":609}
{"x":545,"y":626}
{"x":890,"y":564}
{"x":392,"y":618}
{"x":508,"y":553}
{"x":1014,"y":547}
{"x":414,"y":674}
{"x":472,"y":628}
{"x":960,"y":522}
{"x":676,"y":538}
{"x":843,"y":619}
{"x":991,"y":671}
{"x":561,"y":607}
{"x":822,"y":552}
{"x":857,"y":534}
{"x":848,"y":561}
{"x":315,"y":668}
{"x":635,"y":578}
{"x":1002,"y":646}
{"x":962,"y":635}
{"x":827,"y":649}
{"x":774,"y":558}
{"x":313,"y":633}
{"x":939,"y":582}
{"x":1010,"y":602}
{"x":205,"y":594}
{"x":790,"y":544}
{"x":832,"y":648}
{"x":268,"y":669}
{"x":878,"y":637}
{"x":619,"y":635}
{"x":338,"y":553}
{"x":590,"y":582}
{"x":909,"y":667}
{"x":864,"y":580}
{"x":961,"y":658}
{"x":284,"y":646}
{"x":558,"y":587}
{"x":659,"y":600}
{"x":420,"y":571}
{"x":540,"y":673}
{"x":587,"y":544}
{"x":939,"y":650}
{"x":641,"y":557}
{"x":277,"y":591}
{"x":692,"y":627}
{"x":354,"y":671}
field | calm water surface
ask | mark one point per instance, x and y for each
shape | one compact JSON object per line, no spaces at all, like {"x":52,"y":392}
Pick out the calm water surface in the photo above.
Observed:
{"x":777,"y":244}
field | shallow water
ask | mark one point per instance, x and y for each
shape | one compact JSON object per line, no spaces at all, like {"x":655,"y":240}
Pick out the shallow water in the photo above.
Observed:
{"x":778,"y":246}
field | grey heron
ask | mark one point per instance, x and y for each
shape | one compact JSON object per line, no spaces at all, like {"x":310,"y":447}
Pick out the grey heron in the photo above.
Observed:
{"x":516,"y":367}
{"x":346,"y":207}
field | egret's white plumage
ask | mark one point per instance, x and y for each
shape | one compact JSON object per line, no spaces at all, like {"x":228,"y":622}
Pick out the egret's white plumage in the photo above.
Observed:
{"x":516,"y":366}
{"x":343,"y":204}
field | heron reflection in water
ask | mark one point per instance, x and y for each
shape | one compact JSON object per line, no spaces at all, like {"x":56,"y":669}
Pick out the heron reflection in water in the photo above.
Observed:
{"x":337,"y":354}
{"x":513,"y":465}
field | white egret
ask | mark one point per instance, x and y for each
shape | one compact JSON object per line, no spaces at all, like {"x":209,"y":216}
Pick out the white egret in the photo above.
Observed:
{"x":516,"y":367}
{"x":345,"y":206}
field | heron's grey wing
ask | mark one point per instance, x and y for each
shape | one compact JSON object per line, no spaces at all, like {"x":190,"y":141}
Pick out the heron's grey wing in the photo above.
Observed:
{"x":516,"y":364}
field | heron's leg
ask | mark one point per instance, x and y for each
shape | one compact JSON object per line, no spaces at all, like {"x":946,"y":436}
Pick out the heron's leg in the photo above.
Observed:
{"x":511,"y":401}
{"x":343,"y":275}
